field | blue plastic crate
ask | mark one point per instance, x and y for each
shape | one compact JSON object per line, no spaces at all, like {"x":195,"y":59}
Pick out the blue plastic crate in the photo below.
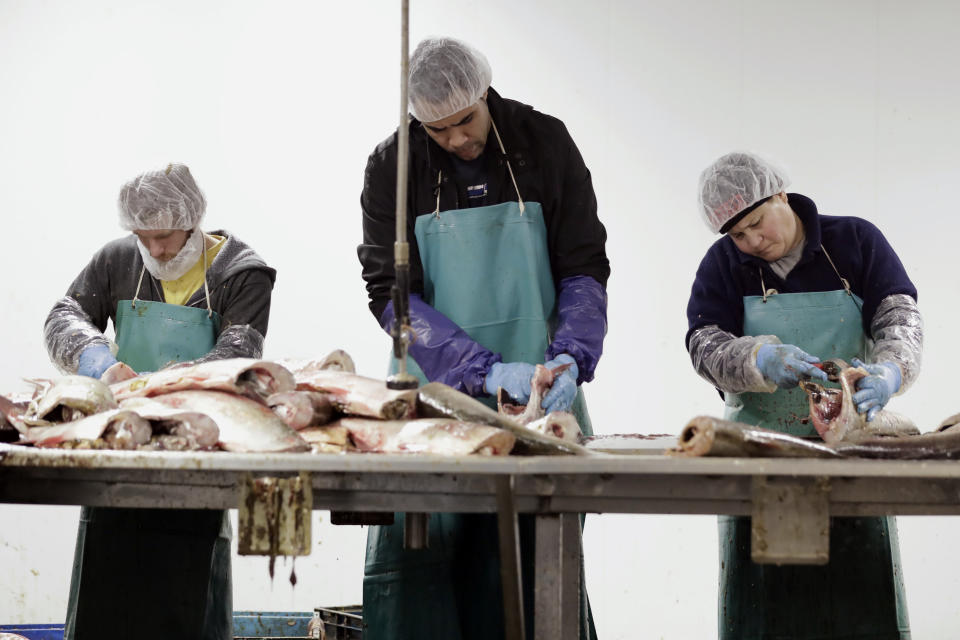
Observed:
{"x":270,"y":624}
{"x":35,"y":631}
{"x":342,"y":623}
{"x":247,"y":625}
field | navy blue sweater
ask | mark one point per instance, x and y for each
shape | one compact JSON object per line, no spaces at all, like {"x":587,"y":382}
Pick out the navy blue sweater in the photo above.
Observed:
{"x":859,"y":250}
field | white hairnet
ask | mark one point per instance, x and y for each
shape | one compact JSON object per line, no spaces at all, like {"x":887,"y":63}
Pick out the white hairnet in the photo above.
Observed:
{"x":446,"y":76}
{"x":733,"y":184}
{"x":166,"y":199}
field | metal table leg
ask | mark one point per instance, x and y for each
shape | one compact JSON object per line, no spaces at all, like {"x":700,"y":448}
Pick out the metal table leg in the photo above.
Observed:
{"x":557,"y":582}
{"x":510,"y":559}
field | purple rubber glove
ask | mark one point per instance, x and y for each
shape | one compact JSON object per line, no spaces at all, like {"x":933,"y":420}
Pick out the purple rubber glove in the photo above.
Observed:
{"x":581,"y":323}
{"x":443,"y":350}
{"x":875,"y":390}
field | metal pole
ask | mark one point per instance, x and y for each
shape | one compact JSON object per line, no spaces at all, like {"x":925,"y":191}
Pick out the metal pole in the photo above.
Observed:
{"x":400,"y":291}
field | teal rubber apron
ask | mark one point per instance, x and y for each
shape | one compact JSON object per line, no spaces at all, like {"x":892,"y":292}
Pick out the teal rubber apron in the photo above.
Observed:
{"x":153,"y":573}
{"x":859,"y":593}
{"x":487,"y":269}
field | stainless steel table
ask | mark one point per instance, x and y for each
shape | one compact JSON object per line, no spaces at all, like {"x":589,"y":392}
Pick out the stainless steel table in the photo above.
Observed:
{"x":782,"y":493}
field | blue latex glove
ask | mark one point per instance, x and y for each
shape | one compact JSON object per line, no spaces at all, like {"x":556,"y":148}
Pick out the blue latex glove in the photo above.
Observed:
{"x":513,"y":377}
{"x":564,"y":389}
{"x":785,"y":365}
{"x":94,"y":360}
{"x":874,"y":391}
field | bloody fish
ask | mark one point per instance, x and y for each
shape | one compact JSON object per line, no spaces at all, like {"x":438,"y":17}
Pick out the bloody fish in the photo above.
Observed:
{"x":255,"y":379}
{"x":440,"y":436}
{"x":245,"y":425}
{"x":438,"y":400}
{"x":835,"y":417}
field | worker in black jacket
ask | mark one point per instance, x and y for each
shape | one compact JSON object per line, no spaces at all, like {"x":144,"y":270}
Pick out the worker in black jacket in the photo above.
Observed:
{"x":508,"y":270}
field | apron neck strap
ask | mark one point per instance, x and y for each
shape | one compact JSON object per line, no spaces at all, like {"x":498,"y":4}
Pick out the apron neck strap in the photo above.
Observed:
{"x":843,"y":281}
{"x":436,"y":211}
{"x":133,"y":303}
{"x":763,"y":287}
{"x":206,"y":288}
{"x":493,"y":125}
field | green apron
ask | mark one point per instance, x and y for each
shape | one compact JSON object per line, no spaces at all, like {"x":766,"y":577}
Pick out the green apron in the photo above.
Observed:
{"x":153,"y":573}
{"x":859,"y":593}
{"x":488,"y":270}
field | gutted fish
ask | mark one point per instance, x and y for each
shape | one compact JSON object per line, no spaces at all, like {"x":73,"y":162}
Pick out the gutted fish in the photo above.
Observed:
{"x":111,"y":429}
{"x":245,"y":425}
{"x":180,"y":429}
{"x":359,"y":396}
{"x":11,"y":412}
{"x":835,"y":416}
{"x":440,"y":436}
{"x":330,"y":438}
{"x":560,"y":424}
{"x":256,"y":379}
{"x":336,"y":360}
{"x":437,"y":400}
{"x":540,"y":384}
{"x":708,"y":436}
{"x":937,"y":445}
{"x":66,"y":398}
{"x":118,"y":373}
{"x":301,"y":409}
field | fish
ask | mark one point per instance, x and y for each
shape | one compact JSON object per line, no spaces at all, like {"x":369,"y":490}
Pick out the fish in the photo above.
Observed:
{"x":10,"y":410}
{"x":245,"y":425}
{"x":943,"y":444}
{"x":437,"y":400}
{"x":336,"y":360}
{"x":255,"y":379}
{"x":560,"y":424}
{"x":357,"y":395}
{"x":180,"y":429}
{"x":440,"y":436}
{"x":834,"y":414}
{"x":540,"y":384}
{"x":301,"y":409}
{"x":65,"y":399}
{"x":117,"y":373}
{"x":708,"y":436}
{"x":329,"y":438}
{"x":111,"y":429}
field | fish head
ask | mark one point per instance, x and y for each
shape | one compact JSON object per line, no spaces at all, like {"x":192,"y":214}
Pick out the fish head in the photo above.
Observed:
{"x":831,"y":408}
{"x":825,"y":404}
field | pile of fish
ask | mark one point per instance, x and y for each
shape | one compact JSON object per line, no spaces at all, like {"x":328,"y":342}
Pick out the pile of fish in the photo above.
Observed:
{"x":844,"y":432}
{"x":249,"y":405}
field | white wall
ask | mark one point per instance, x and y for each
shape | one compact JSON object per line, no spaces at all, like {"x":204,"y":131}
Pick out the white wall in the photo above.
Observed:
{"x":275,"y":107}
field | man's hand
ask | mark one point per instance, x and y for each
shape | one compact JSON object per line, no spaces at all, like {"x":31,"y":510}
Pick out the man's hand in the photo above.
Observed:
{"x":564,"y":389}
{"x":513,"y":377}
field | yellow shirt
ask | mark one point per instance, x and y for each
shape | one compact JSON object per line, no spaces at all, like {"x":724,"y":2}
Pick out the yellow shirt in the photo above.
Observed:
{"x":179,"y":291}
